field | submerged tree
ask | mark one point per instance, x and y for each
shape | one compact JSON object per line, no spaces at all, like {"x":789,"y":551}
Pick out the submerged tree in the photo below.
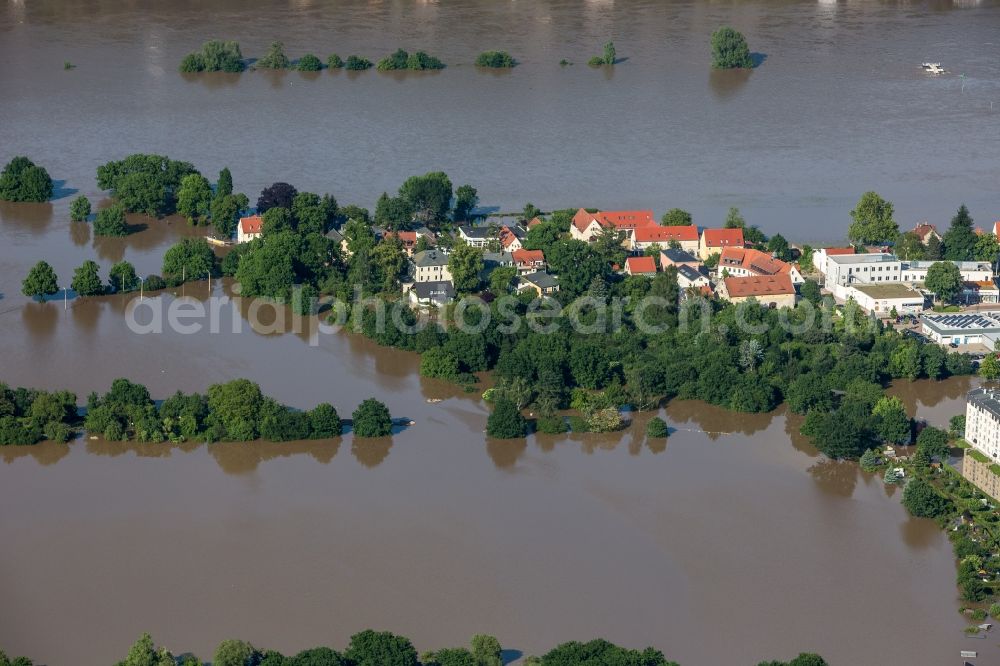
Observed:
{"x":730,"y":50}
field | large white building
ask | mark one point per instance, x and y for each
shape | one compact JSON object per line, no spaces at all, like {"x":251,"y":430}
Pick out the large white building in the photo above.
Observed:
{"x":982,"y":421}
{"x":961,"y":328}
{"x":972,"y":271}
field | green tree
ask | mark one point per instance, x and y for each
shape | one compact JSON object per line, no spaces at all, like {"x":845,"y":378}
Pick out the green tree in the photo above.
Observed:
{"x":142,"y":653}
{"x":465,"y":263}
{"x":429,"y":195}
{"x":600,"y":652}
{"x":22,"y":180}
{"x":730,"y":50}
{"x":439,"y":363}
{"x":989,"y":367}
{"x":225,"y":210}
{"x":910,"y":246}
{"x":234,"y":410}
{"x":194,"y":197}
{"x":86,"y":281}
{"x":811,"y":292}
{"x":309,"y":63}
{"x":225,"y":185}
{"x":486,"y":650}
{"x":79,"y":210}
{"x":893,"y":423}
{"x":501,"y":279}
{"x":872,"y":220}
{"x":41,"y":281}
{"x":934,"y":442}
{"x":393,"y":213}
{"x":122,"y":277}
{"x":735,"y":219}
{"x":921,"y":500}
{"x":466,"y":199}
{"x":111,"y":221}
{"x":389,"y":260}
{"x":675,"y":217}
{"x":505,"y":421}
{"x":275,"y":58}
{"x":215,"y":56}
{"x":986,"y":248}
{"x":945,"y":280}
{"x":334,"y":62}
{"x":934,"y":249}
{"x":956,"y":426}
{"x":778,"y":246}
{"x":371,"y":419}
{"x":190,"y":259}
{"x":144,"y":183}
{"x":960,"y":239}
{"x":380,"y":648}
{"x":234,"y":653}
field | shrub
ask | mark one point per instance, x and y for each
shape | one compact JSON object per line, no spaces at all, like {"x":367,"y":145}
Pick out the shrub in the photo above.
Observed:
{"x":551,"y":425}
{"x":657,"y":427}
{"x":324,"y":422}
{"x":357,"y":63}
{"x":275,"y":58}
{"x":79,"y":210}
{"x":498,"y":59}
{"x":334,"y":62}
{"x":309,"y":63}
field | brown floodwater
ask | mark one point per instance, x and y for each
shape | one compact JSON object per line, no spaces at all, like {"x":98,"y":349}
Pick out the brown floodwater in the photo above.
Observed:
{"x":731,"y":542}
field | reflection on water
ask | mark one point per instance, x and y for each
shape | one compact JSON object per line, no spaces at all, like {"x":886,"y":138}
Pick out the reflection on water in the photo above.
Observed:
{"x":726,"y":83}
{"x":371,"y":452}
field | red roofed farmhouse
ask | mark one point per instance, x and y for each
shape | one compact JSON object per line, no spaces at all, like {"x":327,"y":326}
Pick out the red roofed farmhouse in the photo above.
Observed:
{"x":250,"y":227}
{"x":713,"y":241}
{"x":528,"y":261}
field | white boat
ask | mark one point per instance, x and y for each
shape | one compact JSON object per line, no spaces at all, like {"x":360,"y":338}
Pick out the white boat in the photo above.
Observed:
{"x":933,"y":67}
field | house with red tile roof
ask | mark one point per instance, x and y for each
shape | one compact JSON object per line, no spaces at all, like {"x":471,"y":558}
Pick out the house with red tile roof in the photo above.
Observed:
{"x":647,"y":236}
{"x":510,"y":238}
{"x":774,"y":291}
{"x":924,"y":231}
{"x":528,"y":261}
{"x":744,"y":262}
{"x":713,"y":241}
{"x":250,"y":227}
{"x":533,"y":222}
{"x":587,"y":225}
{"x":640,"y":266}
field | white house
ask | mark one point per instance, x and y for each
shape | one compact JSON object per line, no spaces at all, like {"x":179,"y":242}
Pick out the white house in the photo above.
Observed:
{"x":882,"y":299}
{"x":972,"y":271}
{"x":249,"y":228}
{"x":982,"y":421}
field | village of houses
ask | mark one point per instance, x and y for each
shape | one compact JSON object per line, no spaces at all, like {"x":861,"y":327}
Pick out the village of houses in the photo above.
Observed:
{"x":877,"y":280}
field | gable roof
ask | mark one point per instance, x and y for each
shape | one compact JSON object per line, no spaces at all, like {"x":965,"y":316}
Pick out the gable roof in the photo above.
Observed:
{"x":430,"y":258}
{"x":434,"y":290}
{"x":640,"y":265}
{"x":723,"y":237}
{"x":679,"y":256}
{"x":528,"y":257}
{"x":924,"y":229}
{"x":253,"y":224}
{"x":534,"y":221}
{"x":619,"y":219}
{"x":470,"y":231}
{"x":759,"y":285}
{"x":690,"y":273}
{"x":658,"y":234}
{"x":509,"y":234}
{"x":541,"y":279}
{"x":752,"y":260}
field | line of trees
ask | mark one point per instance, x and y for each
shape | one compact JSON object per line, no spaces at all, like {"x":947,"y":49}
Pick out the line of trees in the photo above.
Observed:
{"x":231,"y":411}
{"x":383,"y":648}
